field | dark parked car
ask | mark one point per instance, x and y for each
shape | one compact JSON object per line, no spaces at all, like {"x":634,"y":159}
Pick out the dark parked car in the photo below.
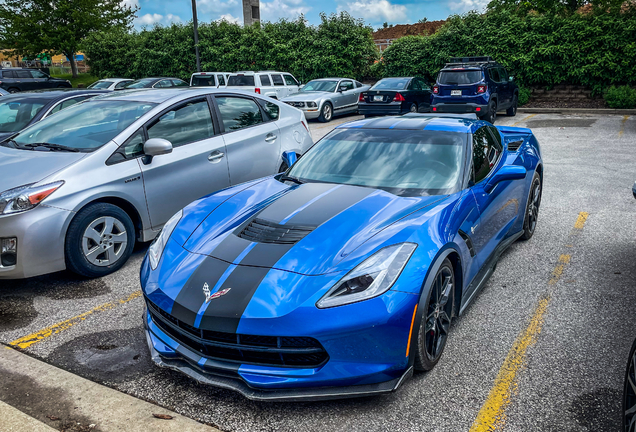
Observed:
{"x":159,"y":82}
{"x":394,"y":96}
{"x":18,"y":111}
{"x":477,"y":85}
{"x":16,"y":80}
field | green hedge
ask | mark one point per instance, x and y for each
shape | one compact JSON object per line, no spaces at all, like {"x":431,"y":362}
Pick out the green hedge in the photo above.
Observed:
{"x":620,"y":97}
{"x":339,"y":46}
{"x":592,"y":50}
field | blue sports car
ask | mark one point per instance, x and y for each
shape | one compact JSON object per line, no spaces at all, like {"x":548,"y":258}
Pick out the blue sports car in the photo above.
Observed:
{"x":340,"y":277}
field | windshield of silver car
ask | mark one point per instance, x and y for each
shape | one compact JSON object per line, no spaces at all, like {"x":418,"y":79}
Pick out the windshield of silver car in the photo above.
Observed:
{"x":320,"y":86}
{"x":85,"y":126}
{"x":17,"y":112}
{"x":403,"y":162}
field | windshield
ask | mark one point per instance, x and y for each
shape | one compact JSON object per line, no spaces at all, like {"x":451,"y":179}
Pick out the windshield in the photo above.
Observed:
{"x":16,"y":113}
{"x":320,"y":85}
{"x":100,"y":85}
{"x":403,"y":162}
{"x":85,"y":126}
{"x":203,"y":80}
{"x":391,"y":84}
{"x":460,"y":77}
{"x":142,"y":83}
{"x":241,"y":80}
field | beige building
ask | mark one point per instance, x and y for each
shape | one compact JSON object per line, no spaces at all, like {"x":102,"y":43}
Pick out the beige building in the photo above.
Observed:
{"x":251,"y":12}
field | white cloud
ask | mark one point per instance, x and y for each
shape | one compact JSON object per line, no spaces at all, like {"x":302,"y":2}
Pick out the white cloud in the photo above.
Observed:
{"x":218,"y":6}
{"x":152,"y":19}
{"x":376,"y":10}
{"x":273,"y":10}
{"x":467,"y":5}
{"x":130,"y":3}
{"x":229,"y":18}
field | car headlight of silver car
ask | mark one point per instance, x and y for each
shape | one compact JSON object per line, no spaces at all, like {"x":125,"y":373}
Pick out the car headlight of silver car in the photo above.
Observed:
{"x":312,"y":104}
{"x":25,"y":197}
{"x":371,"y":278}
{"x":159,"y":244}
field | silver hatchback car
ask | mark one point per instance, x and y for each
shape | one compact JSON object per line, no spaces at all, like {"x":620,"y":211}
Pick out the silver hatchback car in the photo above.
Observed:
{"x":81,"y":186}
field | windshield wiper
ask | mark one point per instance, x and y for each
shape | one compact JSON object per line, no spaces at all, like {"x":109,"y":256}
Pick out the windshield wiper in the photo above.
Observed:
{"x":51,"y":147}
{"x":10,"y":143}
{"x":291,"y":179}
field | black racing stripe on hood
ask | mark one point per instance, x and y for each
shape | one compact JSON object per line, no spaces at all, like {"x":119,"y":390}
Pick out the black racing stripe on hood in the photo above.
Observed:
{"x":294,"y":199}
{"x":230,"y":248}
{"x":224,"y":313}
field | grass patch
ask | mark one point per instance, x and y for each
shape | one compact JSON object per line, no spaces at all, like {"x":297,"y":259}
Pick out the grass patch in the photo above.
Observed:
{"x":85,"y":79}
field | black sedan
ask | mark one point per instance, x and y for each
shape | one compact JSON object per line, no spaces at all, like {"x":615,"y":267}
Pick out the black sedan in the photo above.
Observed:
{"x":394,"y":96}
{"x":18,"y":111}
{"x":158,"y":82}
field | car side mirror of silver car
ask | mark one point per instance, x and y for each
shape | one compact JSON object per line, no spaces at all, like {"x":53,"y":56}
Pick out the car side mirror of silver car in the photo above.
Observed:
{"x":156,"y":147}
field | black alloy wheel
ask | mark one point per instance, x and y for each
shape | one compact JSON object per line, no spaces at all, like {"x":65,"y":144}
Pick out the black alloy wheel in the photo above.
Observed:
{"x":512,"y":111}
{"x":629,"y":393}
{"x":532,"y":209}
{"x":436,"y":319}
{"x":491,"y":116}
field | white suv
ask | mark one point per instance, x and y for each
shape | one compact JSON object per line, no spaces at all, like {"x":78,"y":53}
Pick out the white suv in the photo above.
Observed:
{"x":277,"y":85}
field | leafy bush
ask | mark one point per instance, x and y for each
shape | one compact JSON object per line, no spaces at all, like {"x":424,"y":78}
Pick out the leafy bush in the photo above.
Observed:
{"x":590,"y":50}
{"x":524,"y":95}
{"x":340,"y":46}
{"x":620,"y":97}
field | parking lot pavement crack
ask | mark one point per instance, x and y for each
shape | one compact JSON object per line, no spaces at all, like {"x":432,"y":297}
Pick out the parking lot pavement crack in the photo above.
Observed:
{"x":492,"y":415}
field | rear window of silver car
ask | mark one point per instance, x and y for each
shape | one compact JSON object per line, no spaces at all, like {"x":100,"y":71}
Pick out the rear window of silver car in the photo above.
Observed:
{"x":85,"y":126}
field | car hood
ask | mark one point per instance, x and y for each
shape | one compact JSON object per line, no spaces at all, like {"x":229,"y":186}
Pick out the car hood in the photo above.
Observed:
{"x":20,"y":167}
{"x":307,"y":96}
{"x":307,"y":229}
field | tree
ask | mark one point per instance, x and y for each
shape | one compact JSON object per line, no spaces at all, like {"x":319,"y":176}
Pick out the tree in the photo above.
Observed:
{"x":551,"y":7}
{"x":29,"y":27}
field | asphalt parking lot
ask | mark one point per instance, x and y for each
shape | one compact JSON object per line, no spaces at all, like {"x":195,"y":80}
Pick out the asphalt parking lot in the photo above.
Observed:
{"x":565,"y":300}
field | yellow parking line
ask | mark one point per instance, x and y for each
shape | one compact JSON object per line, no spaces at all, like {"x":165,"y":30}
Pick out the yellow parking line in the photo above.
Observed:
{"x":492,"y":415}
{"x":620,"y":132}
{"x":33,"y":338}
{"x":523,"y":120}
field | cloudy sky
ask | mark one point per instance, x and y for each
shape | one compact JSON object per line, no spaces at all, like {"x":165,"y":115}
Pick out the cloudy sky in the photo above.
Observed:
{"x":374,"y":12}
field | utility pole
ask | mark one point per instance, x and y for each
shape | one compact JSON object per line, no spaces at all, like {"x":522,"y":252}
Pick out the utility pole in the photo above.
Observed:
{"x":196,"y":33}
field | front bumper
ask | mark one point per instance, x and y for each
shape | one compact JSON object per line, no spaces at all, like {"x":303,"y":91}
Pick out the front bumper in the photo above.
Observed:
{"x":380,"y":109}
{"x":40,"y":234}
{"x":460,"y":108}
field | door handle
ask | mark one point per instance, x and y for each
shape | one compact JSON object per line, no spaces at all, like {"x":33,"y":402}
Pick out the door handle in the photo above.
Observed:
{"x":216,"y":156}
{"x":270,"y":138}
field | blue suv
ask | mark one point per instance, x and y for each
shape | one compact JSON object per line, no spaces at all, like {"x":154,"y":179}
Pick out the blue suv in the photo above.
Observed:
{"x":475,"y":85}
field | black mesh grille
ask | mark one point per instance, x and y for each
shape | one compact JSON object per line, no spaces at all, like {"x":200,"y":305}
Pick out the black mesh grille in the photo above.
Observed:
{"x":267,"y":350}
{"x":514,"y":145}
{"x":262,"y":231}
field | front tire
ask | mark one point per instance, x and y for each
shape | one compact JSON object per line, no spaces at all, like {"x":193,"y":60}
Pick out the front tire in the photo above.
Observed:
{"x":13,"y":90}
{"x":512,"y":111}
{"x":532,"y":208}
{"x":326,"y":113}
{"x":99,"y":241}
{"x":436,"y":319}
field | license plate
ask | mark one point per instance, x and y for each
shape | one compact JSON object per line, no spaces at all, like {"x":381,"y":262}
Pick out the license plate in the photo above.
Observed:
{"x":378,"y":98}
{"x":456,"y":92}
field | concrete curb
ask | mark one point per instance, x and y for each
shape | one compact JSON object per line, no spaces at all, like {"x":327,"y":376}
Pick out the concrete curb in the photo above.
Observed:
{"x":55,"y":397}
{"x":13,"y":420}
{"x":604,"y":111}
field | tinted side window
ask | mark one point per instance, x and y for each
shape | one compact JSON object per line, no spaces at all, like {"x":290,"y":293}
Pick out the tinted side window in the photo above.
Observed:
{"x":238,"y":113}
{"x":494,"y":74}
{"x":272,"y":110}
{"x":23,"y":74}
{"x":8,"y":74}
{"x":185,"y":124}
{"x":485,"y":154}
{"x":496,"y":137}
{"x":277,"y":80}
{"x":290,"y":80}
{"x":346,"y":85}
{"x":38,"y":74}
{"x":179,"y":83}
{"x":163,"y":84}
{"x":121,"y":84}
{"x":503,"y":75}
{"x":423,"y":85}
{"x":358,"y":84}
{"x":67,"y":103}
{"x":221,"y":79}
{"x":265,"y":82}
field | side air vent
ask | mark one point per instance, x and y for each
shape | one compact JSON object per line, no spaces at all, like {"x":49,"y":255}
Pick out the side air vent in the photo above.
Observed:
{"x":514,"y":145}
{"x":469,"y":242}
{"x":262,"y":231}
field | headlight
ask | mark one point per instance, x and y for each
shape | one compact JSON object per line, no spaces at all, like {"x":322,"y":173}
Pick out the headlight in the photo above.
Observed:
{"x":373,"y":277}
{"x":157,"y":246}
{"x":312,"y":104}
{"x":25,"y":197}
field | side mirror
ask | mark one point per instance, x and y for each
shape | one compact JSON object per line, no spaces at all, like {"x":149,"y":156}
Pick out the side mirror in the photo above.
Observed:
{"x":341,"y":89}
{"x":156,"y":147}
{"x":511,"y":78}
{"x":505,"y":173}
{"x":290,"y":158}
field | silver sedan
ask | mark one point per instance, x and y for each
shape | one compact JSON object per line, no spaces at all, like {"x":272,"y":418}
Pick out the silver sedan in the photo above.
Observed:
{"x":83,"y":185}
{"x":327,"y":97}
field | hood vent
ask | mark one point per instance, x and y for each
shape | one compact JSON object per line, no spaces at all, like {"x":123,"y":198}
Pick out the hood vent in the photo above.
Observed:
{"x":262,"y":231}
{"x":514,"y":145}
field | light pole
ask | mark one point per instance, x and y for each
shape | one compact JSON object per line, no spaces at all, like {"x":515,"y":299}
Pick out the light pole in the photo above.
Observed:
{"x":196,"y":33}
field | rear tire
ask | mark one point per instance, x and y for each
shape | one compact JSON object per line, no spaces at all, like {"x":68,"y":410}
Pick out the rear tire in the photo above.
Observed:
{"x":532,"y":208}
{"x":99,"y":240}
{"x":13,"y":90}
{"x":512,"y":111}
{"x":491,"y":116}
{"x":413,"y":108}
{"x":326,"y":113}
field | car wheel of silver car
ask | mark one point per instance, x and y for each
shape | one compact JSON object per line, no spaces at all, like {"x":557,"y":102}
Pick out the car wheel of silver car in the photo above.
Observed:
{"x":436,"y":319}
{"x":413,"y":108}
{"x":326,"y":114}
{"x":532,"y":208}
{"x":100,"y":239}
